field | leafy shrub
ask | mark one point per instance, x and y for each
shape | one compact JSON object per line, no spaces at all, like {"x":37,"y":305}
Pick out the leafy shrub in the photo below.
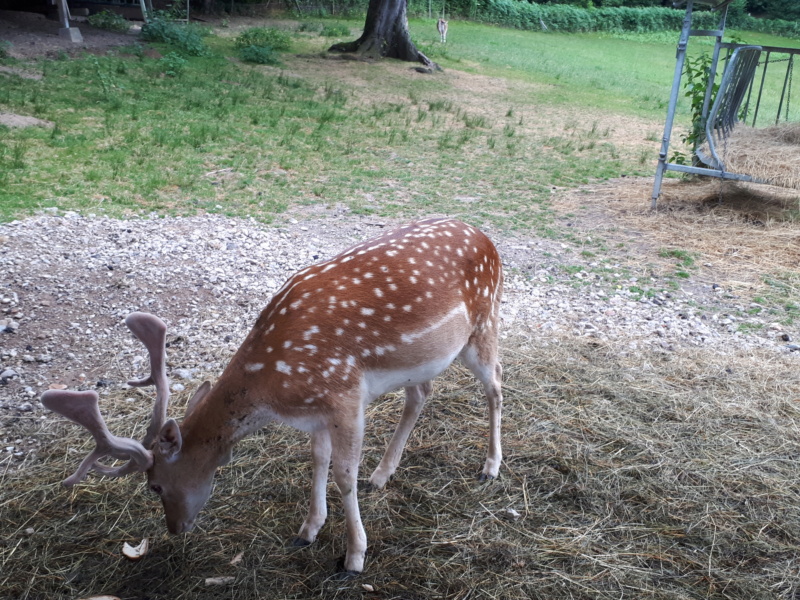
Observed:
{"x":650,"y":19}
{"x":337,"y":30}
{"x":173,"y":64}
{"x":110,"y":21}
{"x":309,"y":26}
{"x":187,"y":38}
{"x":275,"y":39}
{"x":262,"y":55}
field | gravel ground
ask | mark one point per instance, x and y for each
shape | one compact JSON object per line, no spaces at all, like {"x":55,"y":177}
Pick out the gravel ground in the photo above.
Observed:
{"x":68,"y":282}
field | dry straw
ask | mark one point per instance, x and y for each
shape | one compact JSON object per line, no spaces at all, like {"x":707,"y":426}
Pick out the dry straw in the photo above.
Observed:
{"x":664,"y":475}
{"x":770,"y":154}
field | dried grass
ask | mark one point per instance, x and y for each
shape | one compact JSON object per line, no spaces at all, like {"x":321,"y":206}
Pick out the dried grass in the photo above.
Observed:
{"x":666,"y":475}
{"x":741,"y":233}
{"x":771,"y":154}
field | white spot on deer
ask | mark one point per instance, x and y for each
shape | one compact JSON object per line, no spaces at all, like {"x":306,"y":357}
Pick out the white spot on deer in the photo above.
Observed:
{"x":367,"y":311}
{"x":328,"y":268}
{"x":339,"y":331}
{"x":253,"y":367}
{"x":282,"y":311}
{"x":378,"y":292}
{"x":294,"y":305}
{"x":407,"y":308}
{"x":412,"y":279}
{"x":269,"y":349}
{"x":391,"y":253}
{"x":282,"y":367}
{"x":311,"y":331}
{"x":287,"y":344}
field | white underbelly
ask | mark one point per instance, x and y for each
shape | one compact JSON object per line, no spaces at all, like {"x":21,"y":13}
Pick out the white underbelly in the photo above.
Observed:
{"x":379,"y":382}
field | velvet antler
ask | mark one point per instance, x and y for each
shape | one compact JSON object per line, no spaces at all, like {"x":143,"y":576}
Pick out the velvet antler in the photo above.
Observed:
{"x":82,"y":408}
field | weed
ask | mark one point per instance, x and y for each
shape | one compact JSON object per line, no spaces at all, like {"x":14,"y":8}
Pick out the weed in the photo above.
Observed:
{"x":173,"y":64}
{"x":276,"y":39}
{"x":261,"y":55}
{"x":110,"y":21}
{"x":335,"y":30}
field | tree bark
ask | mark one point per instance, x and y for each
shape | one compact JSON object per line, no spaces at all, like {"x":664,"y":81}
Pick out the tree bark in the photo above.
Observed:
{"x":386,"y":34}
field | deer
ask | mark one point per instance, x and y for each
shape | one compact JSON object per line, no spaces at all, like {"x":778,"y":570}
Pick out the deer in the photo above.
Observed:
{"x":388,"y":313}
{"x":441,"y":27}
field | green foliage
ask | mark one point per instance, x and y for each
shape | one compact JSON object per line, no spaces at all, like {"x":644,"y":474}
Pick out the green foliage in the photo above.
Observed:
{"x":262,"y":55}
{"x":312,"y":26}
{"x":110,"y":21}
{"x":275,"y":39}
{"x":173,"y":64}
{"x":187,"y":38}
{"x":697,"y":71}
{"x":580,"y":16}
{"x":335,"y":30}
{"x":5,"y":48}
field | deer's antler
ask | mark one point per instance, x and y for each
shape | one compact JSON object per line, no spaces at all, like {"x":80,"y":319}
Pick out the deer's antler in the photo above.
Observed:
{"x":82,"y":408}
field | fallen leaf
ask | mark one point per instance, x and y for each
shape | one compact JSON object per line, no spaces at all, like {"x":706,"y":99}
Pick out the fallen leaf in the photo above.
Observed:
{"x":237,"y":559}
{"x":135,"y":552}
{"x":219,"y":580}
{"x":367,"y":587}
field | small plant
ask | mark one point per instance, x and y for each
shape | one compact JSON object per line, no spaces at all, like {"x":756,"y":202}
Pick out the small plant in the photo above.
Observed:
{"x":173,"y":64}
{"x":187,"y":38}
{"x":110,"y":21}
{"x":698,"y":71}
{"x":261,"y":55}
{"x":336,"y":30}
{"x":310,"y":26}
{"x":270,"y":37}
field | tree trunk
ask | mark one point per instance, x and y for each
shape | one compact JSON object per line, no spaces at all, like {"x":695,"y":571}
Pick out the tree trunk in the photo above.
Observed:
{"x":386,"y":34}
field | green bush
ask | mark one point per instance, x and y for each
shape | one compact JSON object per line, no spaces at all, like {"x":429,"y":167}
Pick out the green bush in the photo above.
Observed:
{"x":173,"y":64}
{"x":110,"y":21}
{"x":187,"y":38}
{"x":311,"y":26}
{"x":275,"y":39}
{"x":337,"y":30}
{"x":262,"y":55}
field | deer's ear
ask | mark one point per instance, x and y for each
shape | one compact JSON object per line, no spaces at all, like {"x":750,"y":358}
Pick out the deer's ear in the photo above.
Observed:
{"x":197,"y":397}
{"x":170,"y":440}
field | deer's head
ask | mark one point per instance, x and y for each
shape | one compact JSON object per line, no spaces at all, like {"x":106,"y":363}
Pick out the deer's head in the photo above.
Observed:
{"x":182,"y":475}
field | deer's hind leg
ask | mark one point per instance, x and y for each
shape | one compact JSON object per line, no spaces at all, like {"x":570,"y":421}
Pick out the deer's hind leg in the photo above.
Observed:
{"x":415,"y":401}
{"x":481,"y":357}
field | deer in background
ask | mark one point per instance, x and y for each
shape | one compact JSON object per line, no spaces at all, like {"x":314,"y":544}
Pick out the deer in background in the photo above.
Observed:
{"x":390,"y":312}
{"x":441,"y":27}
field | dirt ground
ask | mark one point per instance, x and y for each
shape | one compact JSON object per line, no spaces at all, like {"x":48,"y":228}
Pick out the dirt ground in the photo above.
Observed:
{"x":33,"y":35}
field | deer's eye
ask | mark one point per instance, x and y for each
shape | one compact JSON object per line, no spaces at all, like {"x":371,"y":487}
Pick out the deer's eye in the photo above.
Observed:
{"x":156,"y":489}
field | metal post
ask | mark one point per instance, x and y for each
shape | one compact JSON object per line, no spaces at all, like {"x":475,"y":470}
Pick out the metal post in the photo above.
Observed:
{"x":712,"y":71}
{"x":673,"y":102}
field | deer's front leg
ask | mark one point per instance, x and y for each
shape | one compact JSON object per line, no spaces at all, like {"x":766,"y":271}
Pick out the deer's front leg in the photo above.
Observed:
{"x":347,"y":436}
{"x":318,"y":508}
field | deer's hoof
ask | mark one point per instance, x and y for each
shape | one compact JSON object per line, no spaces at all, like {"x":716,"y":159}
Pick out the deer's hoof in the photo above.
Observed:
{"x":484,"y":477}
{"x":299,"y":542}
{"x":343,"y":574}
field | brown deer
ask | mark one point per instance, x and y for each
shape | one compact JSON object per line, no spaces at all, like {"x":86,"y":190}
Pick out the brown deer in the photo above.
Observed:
{"x":390,"y":312}
{"x":441,"y":27}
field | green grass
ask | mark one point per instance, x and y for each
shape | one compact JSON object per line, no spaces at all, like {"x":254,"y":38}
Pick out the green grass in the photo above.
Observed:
{"x":178,"y":135}
{"x":186,"y":134}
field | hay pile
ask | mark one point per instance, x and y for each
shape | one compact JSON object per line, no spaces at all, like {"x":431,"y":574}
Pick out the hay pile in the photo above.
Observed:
{"x":770,"y":154}
{"x":667,"y":475}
